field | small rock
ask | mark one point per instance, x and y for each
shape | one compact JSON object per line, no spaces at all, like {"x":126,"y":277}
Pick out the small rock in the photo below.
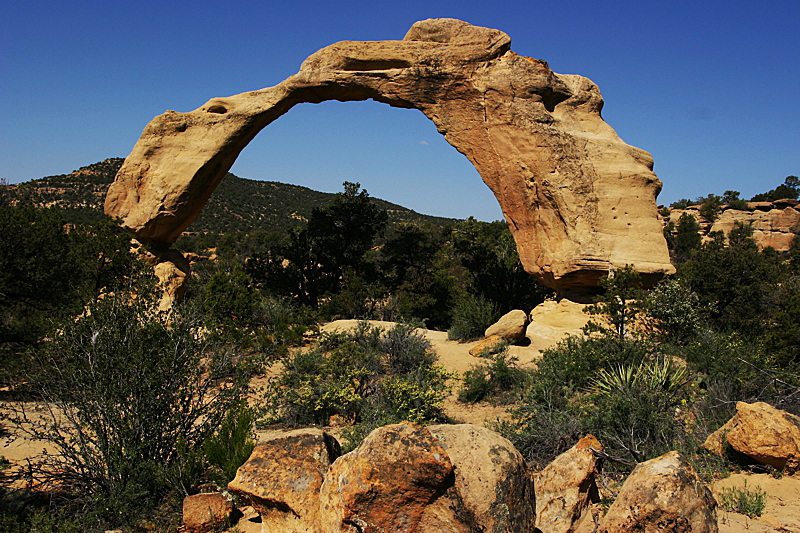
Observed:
{"x":511,"y":326}
{"x":662,"y":494}
{"x":206,"y":511}
{"x":488,"y":346}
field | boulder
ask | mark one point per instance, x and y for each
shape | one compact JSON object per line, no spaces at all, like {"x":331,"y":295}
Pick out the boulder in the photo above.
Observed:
{"x":387,"y":483}
{"x":172,"y":270}
{"x":567,"y":486}
{"x":488,"y":346}
{"x":511,"y":326}
{"x":206,"y":512}
{"x":765,"y":434}
{"x":578,"y":200}
{"x":283,"y":476}
{"x":663,"y":494}
{"x":493,"y":486}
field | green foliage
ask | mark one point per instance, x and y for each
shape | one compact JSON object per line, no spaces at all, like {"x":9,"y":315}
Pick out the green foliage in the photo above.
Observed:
{"x":789,"y":189}
{"x":371,"y":376}
{"x":472,"y":314}
{"x":683,"y":203}
{"x":497,"y":379}
{"x":710,"y":207}
{"x":131,"y":398}
{"x":620,"y":303}
{"x":750,"y":502}
{"x":732,"y":281}
{"x":683,"y":237}
{"x":231,"y":445}
{"x":734,"y":202}
{"x":675,"y":311}
{"x":488,"y":251}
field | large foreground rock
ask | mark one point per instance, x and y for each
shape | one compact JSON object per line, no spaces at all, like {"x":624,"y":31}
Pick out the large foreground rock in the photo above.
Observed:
{"x":493,"y":485}
{"x":566,"y":487}
{"x":663,"y":494}
{"x":765,"y":434}
{"x":578,"y":200}
{"x":510,"y":326}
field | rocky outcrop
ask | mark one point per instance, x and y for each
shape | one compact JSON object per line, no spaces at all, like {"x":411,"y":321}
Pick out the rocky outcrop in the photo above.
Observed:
{"x":662,"y":494}
{"x":489,"y":346}
{"x":763,"y":433}
{"x":283,"y":476}
{"x":578,"y":200}
{"x":567,"y":486}
{"x":774,"y":224}
{"x":510,"y":326}
{"x":172,"y":270}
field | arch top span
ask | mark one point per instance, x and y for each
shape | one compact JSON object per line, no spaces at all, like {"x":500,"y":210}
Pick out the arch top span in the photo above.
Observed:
{"x":578,"y":200}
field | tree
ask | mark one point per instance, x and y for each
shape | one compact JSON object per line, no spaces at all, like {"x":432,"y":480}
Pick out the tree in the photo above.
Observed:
{"x":789,"y":189}
{"x":685,"y":238}
{"x":619,"y":304}
{"x":710,"y":207}
{"x":489,"y":253}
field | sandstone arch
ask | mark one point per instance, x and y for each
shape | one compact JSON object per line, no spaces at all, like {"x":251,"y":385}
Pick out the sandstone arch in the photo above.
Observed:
{"x":578,"y":200}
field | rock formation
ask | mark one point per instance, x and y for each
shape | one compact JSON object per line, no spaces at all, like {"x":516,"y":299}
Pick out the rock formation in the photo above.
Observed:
{"x":767,"y":435}
{"x":511,"y":326}
{"x":774,"y":224}
{"x":578,"y":199}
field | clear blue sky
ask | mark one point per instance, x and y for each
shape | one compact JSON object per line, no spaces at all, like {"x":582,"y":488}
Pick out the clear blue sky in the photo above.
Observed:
{"x":711,"y":89}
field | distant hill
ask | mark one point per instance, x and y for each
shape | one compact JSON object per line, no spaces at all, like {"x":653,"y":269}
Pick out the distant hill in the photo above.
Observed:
{"x":238,"y":204}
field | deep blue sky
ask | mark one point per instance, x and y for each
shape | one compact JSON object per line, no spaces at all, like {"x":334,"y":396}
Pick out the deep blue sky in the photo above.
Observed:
{"x":711,"y":89}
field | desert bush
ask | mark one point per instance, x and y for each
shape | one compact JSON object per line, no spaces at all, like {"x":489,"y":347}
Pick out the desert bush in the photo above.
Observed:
{"x":231,"y":445}
{"x":472,"y":314}
{"x":497,"y":379}
{"x":128,"y":398}
{"x":366,"y":375}
{"x":750,"y":502}
{"x":674,"y":309}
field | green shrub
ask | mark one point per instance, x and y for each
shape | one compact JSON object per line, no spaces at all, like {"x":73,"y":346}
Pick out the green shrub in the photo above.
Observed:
{"x":472,"y":314}
{"x":498,"y":378}
{"x":131,"y":399}
{"x":744,"y":501}
{"x":231,"y":445}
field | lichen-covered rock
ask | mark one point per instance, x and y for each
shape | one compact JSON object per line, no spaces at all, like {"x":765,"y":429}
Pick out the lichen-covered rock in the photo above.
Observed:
{"x":578,"y":200}
{"x":387,"y":483}
{"x":766,"y":434}
{"x":282,"y":479}
{"x":663,"y":494}
{"x":493,"y":490}
{"x":566,"y":487}
{"x":511,"y":326}
{"x":206,"y":512}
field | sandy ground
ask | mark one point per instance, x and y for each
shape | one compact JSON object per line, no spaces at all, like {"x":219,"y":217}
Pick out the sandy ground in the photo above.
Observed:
{"x":782,"y":513}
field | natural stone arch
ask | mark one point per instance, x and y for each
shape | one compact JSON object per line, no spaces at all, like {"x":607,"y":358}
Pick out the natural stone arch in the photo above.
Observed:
{"x":578,"y":200}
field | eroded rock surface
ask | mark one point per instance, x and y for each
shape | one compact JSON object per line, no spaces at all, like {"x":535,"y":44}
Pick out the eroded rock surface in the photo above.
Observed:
{"x":566,"y":487}
{"x":578,"y":199}
{"x":766,"y":434}
{"x":662,"y":494}
{"x":511,"y":326}
{"x":282,"y":479}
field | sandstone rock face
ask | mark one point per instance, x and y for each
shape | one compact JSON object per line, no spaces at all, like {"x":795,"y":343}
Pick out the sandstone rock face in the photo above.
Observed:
{"x":511,"y":326}
{"x":282,"y":479}
{"x":204,"y":512}
{"x":775,"y":224}
{"x":578,"y":199}
{"x":566,"y":487}
{"x":663,"y":494}
{"x":552,"y":321}
{"x":758,"y":430}
{"x":172,"y":270}
{"x":492,"y":481}
{"x":386,"y":483}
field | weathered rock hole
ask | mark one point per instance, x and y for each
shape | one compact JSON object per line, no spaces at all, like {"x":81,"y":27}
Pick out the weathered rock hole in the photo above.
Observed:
{"x":218,"y":109}
{"x":374,"y":64}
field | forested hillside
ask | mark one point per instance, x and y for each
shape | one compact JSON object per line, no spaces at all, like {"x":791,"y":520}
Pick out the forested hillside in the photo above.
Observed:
{"x":238,"y":204}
